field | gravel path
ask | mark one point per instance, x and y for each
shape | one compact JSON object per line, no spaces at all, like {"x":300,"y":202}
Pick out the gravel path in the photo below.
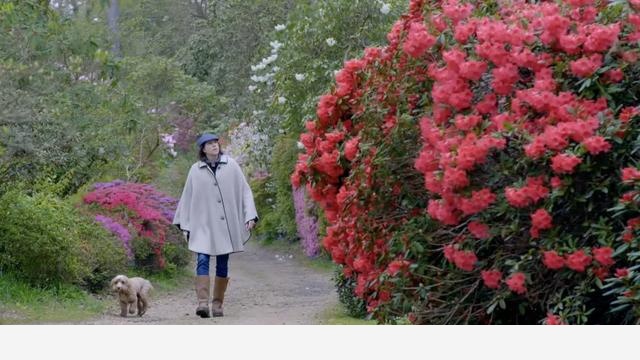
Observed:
{"x":265,"y":288}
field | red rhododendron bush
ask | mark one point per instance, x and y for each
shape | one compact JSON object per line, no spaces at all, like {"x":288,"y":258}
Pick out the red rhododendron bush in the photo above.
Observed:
{"x":481,"y":167}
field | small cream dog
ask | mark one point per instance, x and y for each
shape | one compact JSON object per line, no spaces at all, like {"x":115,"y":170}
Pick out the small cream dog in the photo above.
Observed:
{"x":132,"y":293}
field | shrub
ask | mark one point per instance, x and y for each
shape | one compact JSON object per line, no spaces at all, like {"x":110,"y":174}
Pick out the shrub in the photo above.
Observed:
{"x":264,"y":197}
{"x":45,"y":241}
{"x":175,"y":250}
{"x":468,"y":170}
{"x":354,"y":306}
{"x":102,"y":252}
{"x":295,"y":67}
{"x":284,"y":157}
{"x":138,"y":215}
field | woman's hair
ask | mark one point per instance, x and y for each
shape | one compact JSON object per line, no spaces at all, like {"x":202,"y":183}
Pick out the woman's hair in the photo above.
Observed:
{"x":202,"y":156}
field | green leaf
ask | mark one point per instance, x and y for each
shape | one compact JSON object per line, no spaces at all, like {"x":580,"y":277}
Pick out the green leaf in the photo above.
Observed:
{"x":619,"y":308}
{"x":620,"y":250}
{"x":502,"y":304}
{"x":491,"y":308}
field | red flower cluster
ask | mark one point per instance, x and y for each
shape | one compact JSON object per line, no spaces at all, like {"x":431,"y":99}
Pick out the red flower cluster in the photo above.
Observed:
{"x":491,"y":278}
{"x":501,"y":90}
{"x":578,"y":261}
{"x":554,"y":320}
{"x":418,"y":40}
{"x":516,"y":283}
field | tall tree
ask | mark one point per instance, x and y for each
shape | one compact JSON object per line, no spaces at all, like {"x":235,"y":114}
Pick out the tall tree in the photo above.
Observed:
{"x":113,"y":14}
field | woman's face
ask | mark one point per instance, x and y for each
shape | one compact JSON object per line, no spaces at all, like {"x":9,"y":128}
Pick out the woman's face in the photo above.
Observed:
{"x":211,"y":148}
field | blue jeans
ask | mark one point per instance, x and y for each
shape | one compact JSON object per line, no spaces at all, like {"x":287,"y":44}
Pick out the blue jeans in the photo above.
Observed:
{"x":222,"y":265}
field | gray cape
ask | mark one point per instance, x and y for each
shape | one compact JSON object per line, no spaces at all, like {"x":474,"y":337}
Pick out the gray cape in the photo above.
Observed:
{"x":215,"y":208}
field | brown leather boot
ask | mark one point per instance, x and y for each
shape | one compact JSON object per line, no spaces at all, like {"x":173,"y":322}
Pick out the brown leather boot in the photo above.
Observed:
{"x":219,"y":287}
{"x":203,"y":284}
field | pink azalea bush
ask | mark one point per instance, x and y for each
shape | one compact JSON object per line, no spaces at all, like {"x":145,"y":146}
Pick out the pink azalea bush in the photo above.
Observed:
{"x":517,"y":118}
{"x":131,"y":210}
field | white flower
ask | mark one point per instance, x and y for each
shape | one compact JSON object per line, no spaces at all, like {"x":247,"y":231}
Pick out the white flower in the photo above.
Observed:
{"x":275,"y":69}
{"x":270,"y":59}
{"x":385,"y":8}
{"x":168,"y":139}
{"x":331,"y":41}
{"x":279,"y":27}
{"x":300,"y":145}
{"x":95,"y":19}
{"x":252,"y":88}
{"x":282,"y":100}
{"x":260,"y":66}
{"x":300,"y":77}
{"x":275,"y":45}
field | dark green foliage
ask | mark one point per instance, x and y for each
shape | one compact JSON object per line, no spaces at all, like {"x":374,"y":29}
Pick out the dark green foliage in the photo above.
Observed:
{"x":45,"y":241}
{"x":285,"y":154}
{"x":345,"y":287}
{"x":175,"y":250}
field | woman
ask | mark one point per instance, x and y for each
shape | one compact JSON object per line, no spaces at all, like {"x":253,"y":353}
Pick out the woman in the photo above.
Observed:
{"x":217,"y":211}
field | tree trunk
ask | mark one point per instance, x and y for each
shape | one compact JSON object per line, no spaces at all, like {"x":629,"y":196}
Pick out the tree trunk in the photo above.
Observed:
{"x":112,"y":20}
{"x":201,"y":8}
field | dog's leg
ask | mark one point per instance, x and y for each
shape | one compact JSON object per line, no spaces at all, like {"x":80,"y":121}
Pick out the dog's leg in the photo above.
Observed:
{"x":142,"y":306}
{"x":123,"y":308}
{"x":132,"y":307}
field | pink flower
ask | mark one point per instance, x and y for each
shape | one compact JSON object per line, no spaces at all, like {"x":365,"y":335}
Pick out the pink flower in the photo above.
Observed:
{"x":418,"y":40}
{"x":396,"y":266}
{"x":622,"y":272}
{"x":541,"y":219}
{"x":603,"y":255}
{"x":630,"y":174}
{"x":479,"y":230}
{"x":596,"y":145}
{"x":552,"y":260}
{"x":491,"y":278}
{"x":553,"y":320}
{"x":578,"y":261}
{"x":351,"y":148}
{"x":564,"y":163}
{"x":516,"y":283}
{"x":586,"y":66}
{"x":465,"y":260}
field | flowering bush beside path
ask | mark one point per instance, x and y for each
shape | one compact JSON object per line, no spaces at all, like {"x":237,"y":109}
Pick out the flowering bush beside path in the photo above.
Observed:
{"x":472,"y":170}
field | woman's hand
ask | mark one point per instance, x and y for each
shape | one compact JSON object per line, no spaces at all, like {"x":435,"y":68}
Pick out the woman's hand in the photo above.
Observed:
{"x":250,"y":224}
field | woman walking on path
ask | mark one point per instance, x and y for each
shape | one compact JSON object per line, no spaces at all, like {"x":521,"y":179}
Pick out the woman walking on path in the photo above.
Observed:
{"x":216,"y":211}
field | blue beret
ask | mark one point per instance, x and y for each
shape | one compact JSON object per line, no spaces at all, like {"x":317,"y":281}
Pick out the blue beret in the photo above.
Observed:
{"x":204,"y":138}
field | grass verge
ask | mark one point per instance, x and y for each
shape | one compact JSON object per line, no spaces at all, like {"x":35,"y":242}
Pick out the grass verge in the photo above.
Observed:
{"x":337,"y":315}
{"x":23,"y":304}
